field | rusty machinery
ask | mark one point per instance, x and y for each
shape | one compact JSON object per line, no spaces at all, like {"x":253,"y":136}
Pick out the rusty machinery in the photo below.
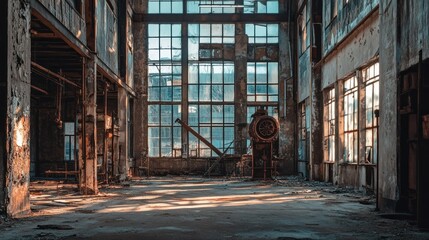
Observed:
{"x":263,"y":131}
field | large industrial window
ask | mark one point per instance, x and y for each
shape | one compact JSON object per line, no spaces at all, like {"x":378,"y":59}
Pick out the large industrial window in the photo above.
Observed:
{"x":164,"y":89}
{"x":329,"y":126}
{"x":165,"y":6}
{"x":370,"y":78}
{"x":69,"y":141}
{"x":210,"y":86}
{"x":350,"y":118}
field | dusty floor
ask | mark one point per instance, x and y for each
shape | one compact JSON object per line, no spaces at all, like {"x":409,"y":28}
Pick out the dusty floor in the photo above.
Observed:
{"x":199,"y":208}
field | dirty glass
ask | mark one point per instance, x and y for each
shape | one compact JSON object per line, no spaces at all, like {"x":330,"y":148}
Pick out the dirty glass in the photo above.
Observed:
{"x":261,"y":6}
{"x":163,"y":135}
{"x":69,"y":141}
{"x":165,"y":6}
{"x":370,"y":77}
{"x":329,"y":126}
{"x":164,"y":86}
{"x":262,"y":33}
{"x":211,"y":6}
{"x":210,"y":85}
{"x":350,"y":118}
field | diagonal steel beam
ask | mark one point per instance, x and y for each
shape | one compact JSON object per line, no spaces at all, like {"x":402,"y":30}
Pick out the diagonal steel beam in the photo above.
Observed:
{"x":201,"y":138}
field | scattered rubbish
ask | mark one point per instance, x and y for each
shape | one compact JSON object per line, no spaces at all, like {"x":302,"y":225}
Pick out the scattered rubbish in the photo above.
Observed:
{"x":55,"y":227}
{"x":85,"y":211}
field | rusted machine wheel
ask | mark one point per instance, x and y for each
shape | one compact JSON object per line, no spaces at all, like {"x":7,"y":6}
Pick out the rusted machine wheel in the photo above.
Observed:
{"x":264,"y":129}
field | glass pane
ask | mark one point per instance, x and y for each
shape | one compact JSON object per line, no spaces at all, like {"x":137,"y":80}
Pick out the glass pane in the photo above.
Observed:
{"x":273,"y":73}
{"x":217,"y":73}
{"x":165,"y":30}
{"x":217,"y":93}
{"x":166,"y":115}
{"x":165,"y":7}
{"x":153,"y":112}
{"x":228,"y":73}
{"x":261,"y":73}
{"x":153,"y":30}
{"x":205,"y":114}
{"x":193,"y":93}
{"x":205,"y":93}
{"x":153,"y":94}
{"x":217,"y":114}
{"x":229,"y":113}
{"x":228,"y":93}
{"x":177,"y":7}
{"x":205,"y":73}
{"x":153,"y":6}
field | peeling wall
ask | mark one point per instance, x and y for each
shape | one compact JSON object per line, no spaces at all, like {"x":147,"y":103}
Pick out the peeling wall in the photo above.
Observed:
{"x":388,"y":112}
{"x":414,"y":32}
{"x":287,"y":100}
{"x":3,"y":98}
{"x":18,"y":109}
{"x":348,"y":17}
{"x":353,"y":53}
{"x":140,"y":76}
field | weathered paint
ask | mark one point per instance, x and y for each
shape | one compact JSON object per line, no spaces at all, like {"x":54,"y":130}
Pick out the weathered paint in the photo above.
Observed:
{"x":15,"y":159}
{"x":414,"y":32}
{"x":240,"y":87}
{"x":68,"y":16}
{"x":388,"y":186}
{"x":123,"y":115}
{"x":107,"y":34}
{"x":140,"y":83}
{"x":88,"y":155}
{"x":316,"y":129}
{"x":287,"y":100}
{"x":349,"y":16}
{"x":359,"y":48}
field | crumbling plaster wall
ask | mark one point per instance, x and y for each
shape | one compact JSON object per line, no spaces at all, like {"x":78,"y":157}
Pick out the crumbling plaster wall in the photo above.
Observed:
{"x":16,"y":155}
{"x":414,"y":32}
{"x":349,"y":16}
{"x":353,"y":53}
{"x":388,"y":185}
{"x":140,"y":84}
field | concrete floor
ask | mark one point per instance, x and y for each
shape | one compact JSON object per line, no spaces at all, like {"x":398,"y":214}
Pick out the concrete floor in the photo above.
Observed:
{"x":200,"y":208}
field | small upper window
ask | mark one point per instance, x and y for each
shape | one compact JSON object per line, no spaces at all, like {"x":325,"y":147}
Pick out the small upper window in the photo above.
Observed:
{"x":165,"y":6}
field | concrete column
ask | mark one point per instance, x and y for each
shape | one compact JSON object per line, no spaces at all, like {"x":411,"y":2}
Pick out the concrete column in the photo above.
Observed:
{"x":316,"y":136}
{"x":140,"y":83}
{"x":123,"y":162}
{"x":15,"y":94}
{"x":388,"y":191}
{"x":287,"y":98}
{"x":240,"y":93}
{"x":88,"y":148}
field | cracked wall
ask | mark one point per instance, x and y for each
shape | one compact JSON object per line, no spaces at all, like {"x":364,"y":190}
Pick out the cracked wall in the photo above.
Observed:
{"x":17,"y":130}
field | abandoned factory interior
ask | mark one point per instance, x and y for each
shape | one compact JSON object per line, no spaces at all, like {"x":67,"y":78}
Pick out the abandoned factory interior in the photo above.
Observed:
{"x":214,"y":119}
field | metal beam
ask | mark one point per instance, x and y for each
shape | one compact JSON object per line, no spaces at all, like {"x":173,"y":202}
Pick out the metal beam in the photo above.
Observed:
{"x":210,"y":18}
{"x":33,"y":64}
{"x":201,"y":138}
